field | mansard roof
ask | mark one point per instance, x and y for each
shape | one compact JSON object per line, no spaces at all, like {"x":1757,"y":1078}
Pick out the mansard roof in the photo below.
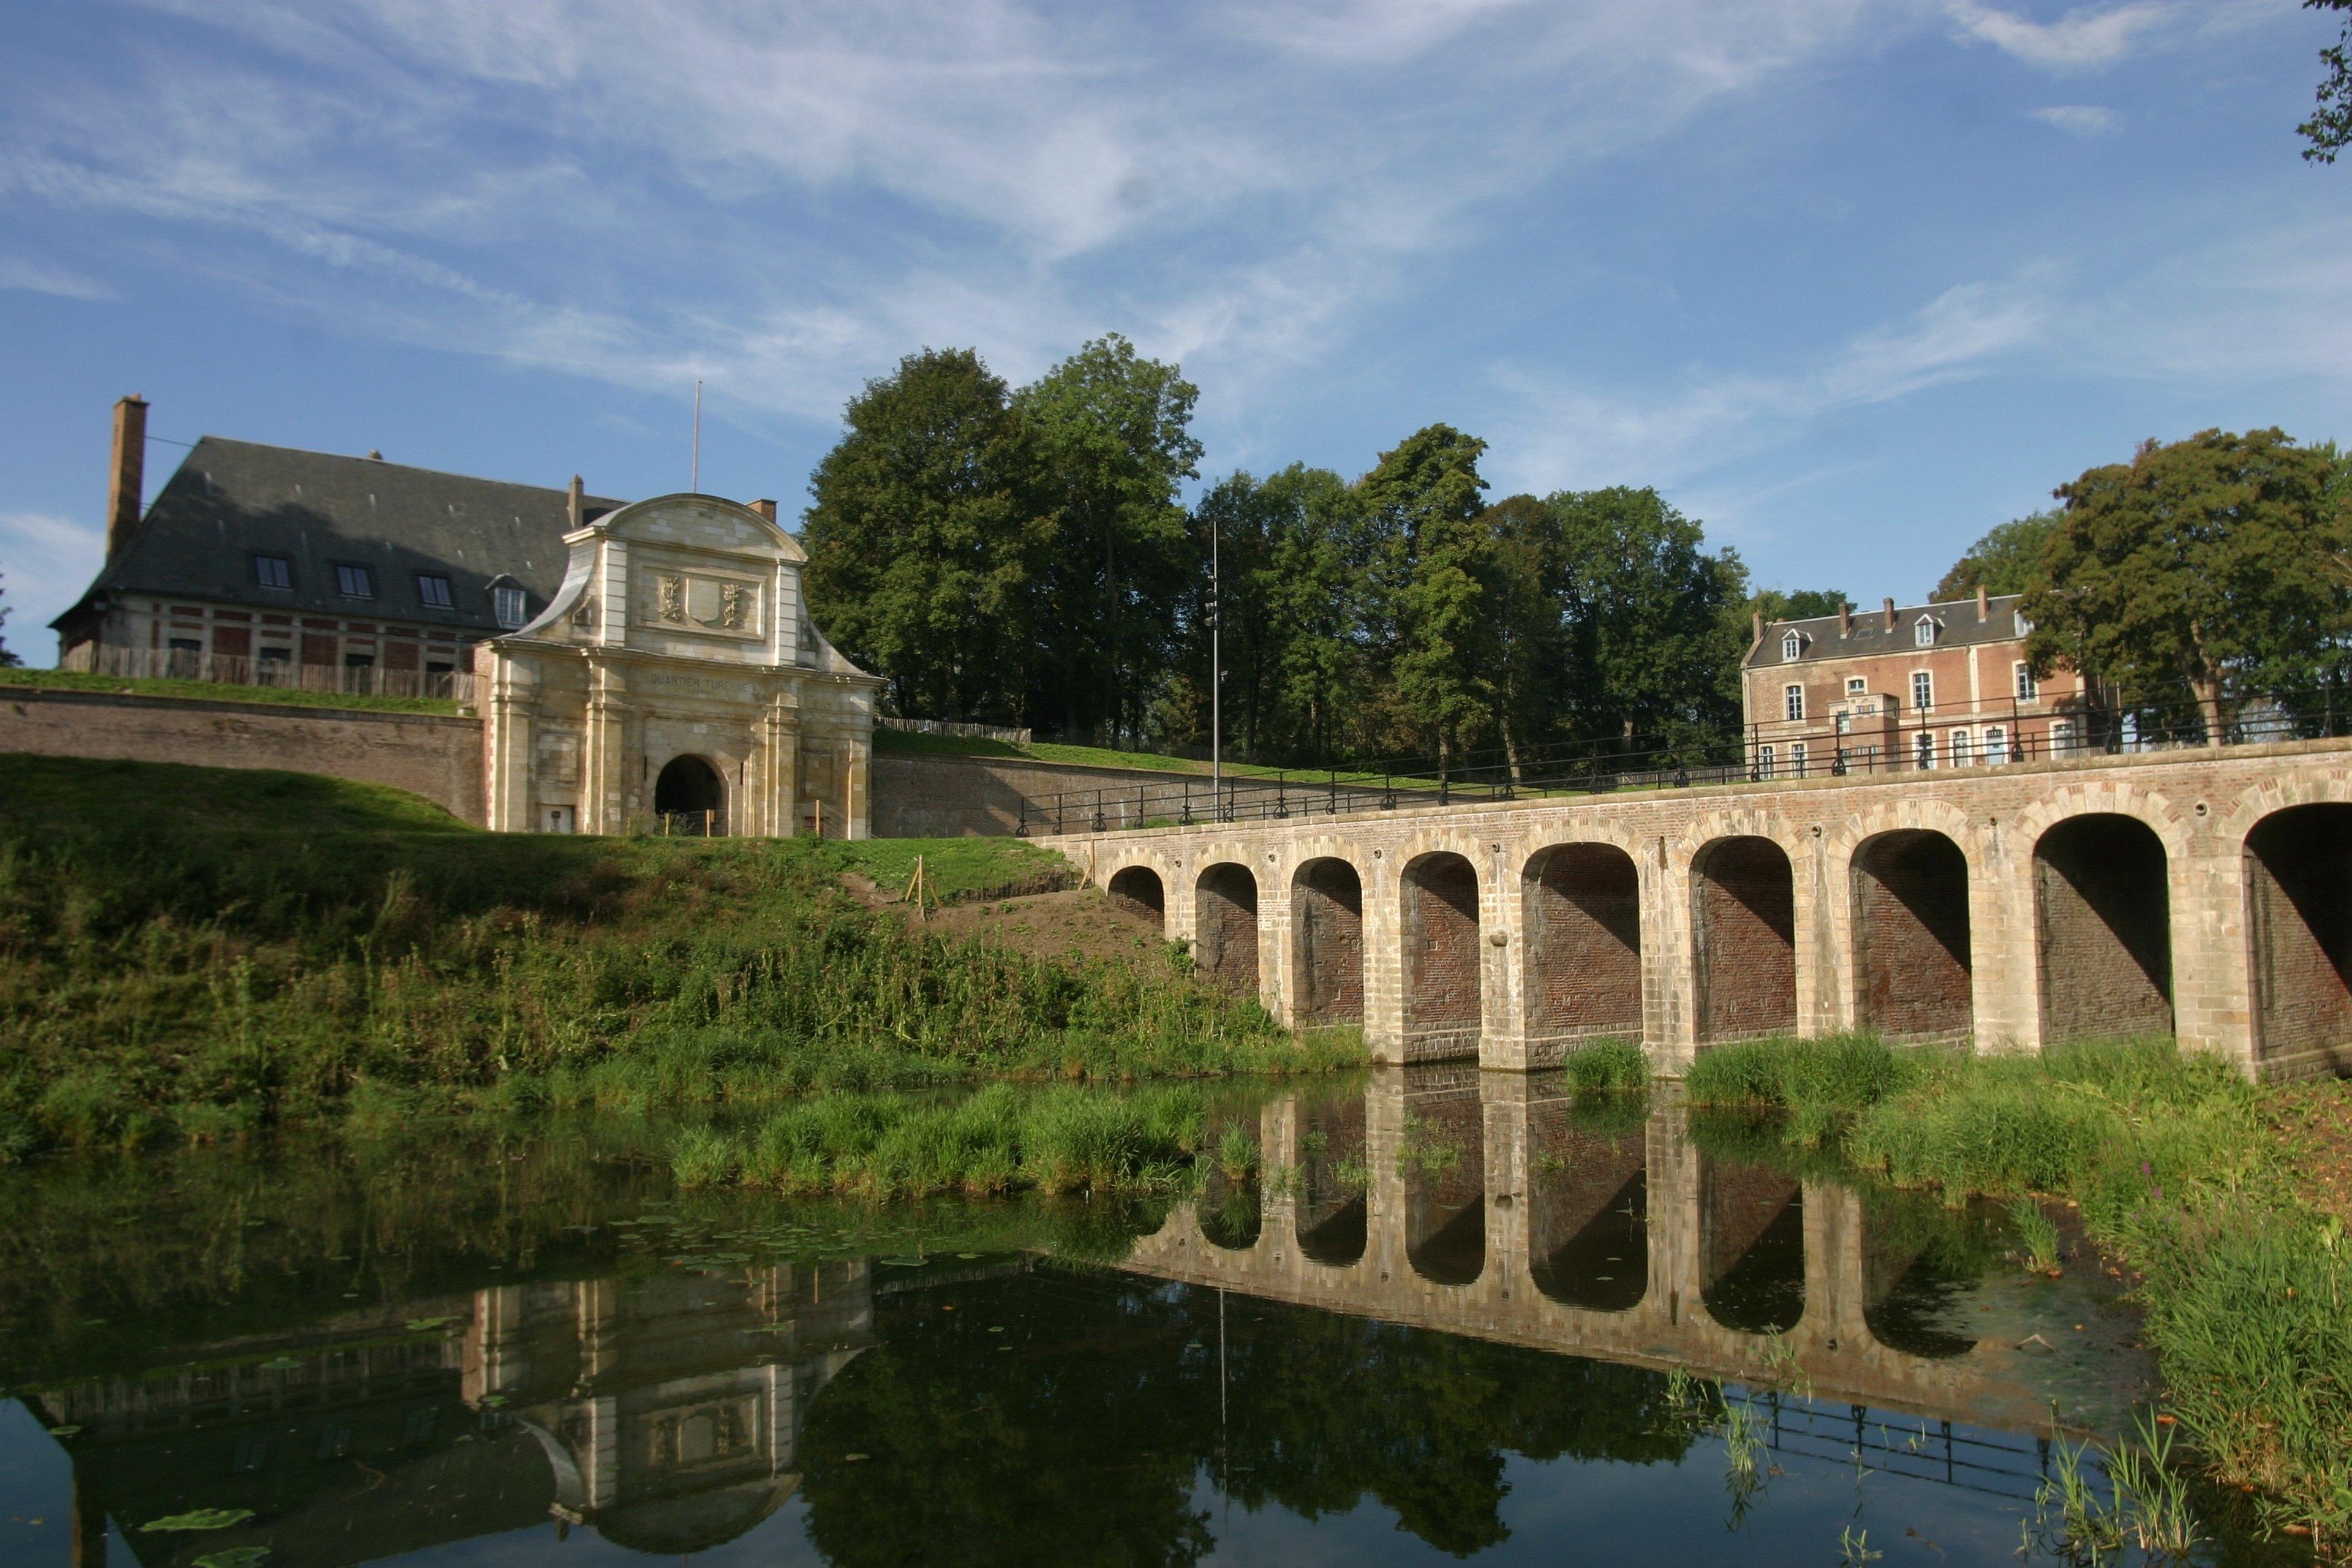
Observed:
{"x":1957,"y":625}
{"x":231,"y":500}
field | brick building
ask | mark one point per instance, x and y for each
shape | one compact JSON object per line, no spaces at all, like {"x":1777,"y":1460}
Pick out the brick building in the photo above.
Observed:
{"x":1931,"y":686}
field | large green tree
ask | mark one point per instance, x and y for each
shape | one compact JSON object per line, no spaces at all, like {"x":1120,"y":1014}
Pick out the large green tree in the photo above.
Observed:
{"x":926,"y":540}
{"x":1433,"y":585}
{"x":2005,"y":560}
{"x":2329,"y":129}
{"x":1112,"y":433}
{"x":2199,"y":565}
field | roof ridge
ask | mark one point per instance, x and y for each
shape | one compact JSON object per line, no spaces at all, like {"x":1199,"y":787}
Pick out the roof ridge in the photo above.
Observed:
{"x":388,"y":463}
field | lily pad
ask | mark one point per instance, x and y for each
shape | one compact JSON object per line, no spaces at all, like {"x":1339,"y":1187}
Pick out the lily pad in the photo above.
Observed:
{"x":204,"y":1519}
{"x":281,"y":1364}
{"x":235,"y":1557}
{"x":63,"y":1431}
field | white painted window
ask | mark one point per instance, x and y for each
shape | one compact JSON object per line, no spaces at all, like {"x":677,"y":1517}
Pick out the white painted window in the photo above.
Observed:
{"x":2024,"y":626}
{"x":1793,"y":701}
{"x":1923,"y":632}
{"x":2062,"y":736}
{"x":1792,"y":646}
{"x":1856,"y":686}
{"x":1963,"y":749}
{"x":1923,"y":750}
{"x":1797,"y":759}
{"x":1923,"y":690}
{"x":510,"y":606}
{"x":1764,"y":761}
{"x":1996,"y":745}
{"x":2027,"y":687}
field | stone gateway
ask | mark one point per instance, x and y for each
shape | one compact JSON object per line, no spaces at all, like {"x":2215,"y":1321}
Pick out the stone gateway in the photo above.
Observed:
{"x":674,"y":682}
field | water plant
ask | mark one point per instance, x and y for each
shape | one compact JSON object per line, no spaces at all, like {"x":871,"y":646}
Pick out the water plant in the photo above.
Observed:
{"x":1607,"y":1066}
{"x":2037,"y":1235}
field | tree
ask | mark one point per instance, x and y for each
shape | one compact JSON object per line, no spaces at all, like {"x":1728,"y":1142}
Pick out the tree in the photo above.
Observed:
{"x":925,"y":540}
{"x":1113,"y":440}
{"x":1796,"y":603}
{"x":1431,"y":579}
{"x":7,"y":660}
{"x":2005,"y":560}
{"x":2194,"y":564}
{"x":2329,"y":129}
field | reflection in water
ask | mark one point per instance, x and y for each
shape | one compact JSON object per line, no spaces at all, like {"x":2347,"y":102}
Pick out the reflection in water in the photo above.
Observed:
{"x":1444,"y":1159}
{"x":1587,"y":1202}
{"x":1231,"y":1213}
{"x":1331,"y":1213}
{"x":1752,"y":1247}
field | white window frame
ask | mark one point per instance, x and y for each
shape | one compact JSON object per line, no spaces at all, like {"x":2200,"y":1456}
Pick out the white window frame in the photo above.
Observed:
{"x":1856,"y":686}
{"x":1792,"y":703}
{"x":1923,"y":632}
{"x":2062,"y":737}
{"x":1923,"y":691}
{"x":1996,"y":746}
{"x":1962,"y":748}
{"x":1764,"y":761}
{"x":506,"y":596}
{"x":2025,"y":685}
{"x":1792,"y":646}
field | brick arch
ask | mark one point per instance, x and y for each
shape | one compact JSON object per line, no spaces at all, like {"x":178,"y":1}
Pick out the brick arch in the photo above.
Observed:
{"x":1226,"y":894}
{"x":2104,"y":797}
{"x":2103,"y":896}
{"x":1581,"y":905}
{"x":1914,"y":961}
{"x":1440,"y":891}
{"x":1327,"y":940}
{"x":2297,"y":887}
{"x":1139,"y":857}
{"x":2233,"y":825}
{"x":1742,"y":885}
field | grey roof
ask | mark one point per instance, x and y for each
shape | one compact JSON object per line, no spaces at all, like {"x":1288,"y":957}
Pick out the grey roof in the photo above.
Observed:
{"x":231,"y":500}
{"x":1957,"y":625}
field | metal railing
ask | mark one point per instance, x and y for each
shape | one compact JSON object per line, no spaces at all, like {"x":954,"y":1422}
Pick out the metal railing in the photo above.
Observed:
{"x":1865,"y":736}
{"x":954,"y":727}
{"x":2001,"y":1464}
{"x":284,"y":674}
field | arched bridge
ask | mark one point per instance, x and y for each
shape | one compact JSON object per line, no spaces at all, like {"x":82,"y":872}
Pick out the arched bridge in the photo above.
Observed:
{"x":2206,"y":893}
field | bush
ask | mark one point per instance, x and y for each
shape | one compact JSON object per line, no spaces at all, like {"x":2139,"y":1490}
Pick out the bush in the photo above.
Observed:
{"x":1607,"y":1065}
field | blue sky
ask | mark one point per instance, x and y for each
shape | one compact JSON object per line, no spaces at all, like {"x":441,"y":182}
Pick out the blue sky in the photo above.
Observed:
{"x":1851,"y":280}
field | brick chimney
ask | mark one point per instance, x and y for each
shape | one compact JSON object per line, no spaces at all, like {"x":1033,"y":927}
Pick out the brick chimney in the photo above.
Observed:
{"x":1756,"y":632}
{"x":574,"y":505}
{"x":1890,"y":615}
{"x":1845,"y":619}
{"x":765,"y":508}
{"x":1984,"y":604}
{"x":126,"y":478}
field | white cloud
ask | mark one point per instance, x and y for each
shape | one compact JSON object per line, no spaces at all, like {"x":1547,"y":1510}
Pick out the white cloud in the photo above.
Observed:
{"x":34,"y":277}
{"x":45,"y":561}
{"x":2080,"y":119}
{"x":2086,"y":36}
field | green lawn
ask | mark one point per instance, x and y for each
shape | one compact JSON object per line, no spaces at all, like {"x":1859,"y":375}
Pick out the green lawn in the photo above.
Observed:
{"x":1104,"y":757}
{"x":217,"y":692}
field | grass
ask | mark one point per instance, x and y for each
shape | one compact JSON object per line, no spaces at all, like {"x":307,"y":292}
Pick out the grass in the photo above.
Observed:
{"x":1107,"y":757}
{"x":218,"y":691}
{"x":2244,"y":1284}
{"x":201,"y":952}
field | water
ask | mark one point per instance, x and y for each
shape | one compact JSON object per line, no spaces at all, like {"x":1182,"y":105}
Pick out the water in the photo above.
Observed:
{"x":1447,"y":1323}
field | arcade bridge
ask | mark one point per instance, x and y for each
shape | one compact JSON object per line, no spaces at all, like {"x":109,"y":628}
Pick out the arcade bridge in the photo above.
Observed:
{"x":2202,"y":892}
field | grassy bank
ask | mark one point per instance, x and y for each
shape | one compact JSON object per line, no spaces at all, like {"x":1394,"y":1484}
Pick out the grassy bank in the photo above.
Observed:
{"x":199,"y":952}
{"x":217,"y":691}
{"x":2178,"y":1175}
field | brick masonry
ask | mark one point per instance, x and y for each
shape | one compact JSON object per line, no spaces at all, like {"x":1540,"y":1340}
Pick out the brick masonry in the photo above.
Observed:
{"x":1225,"y":943}
{"x":2030,"y":958}
{"x":2105,"y":937}
{"x":1911,"y":894}
{"x":1584,"y":939}
{"x":1327,"y":922}
{"x":436,"y":756}
{"x":2302,"y":906}
{"x":1441,"y":960}
{"x":1747,"y":939}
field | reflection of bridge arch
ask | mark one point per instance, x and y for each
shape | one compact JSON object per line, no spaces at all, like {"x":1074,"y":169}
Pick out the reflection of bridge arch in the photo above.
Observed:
{"x":1752,"y":1246}
{"x":1588,"y":1210}
{"x":1444,"y":1162}
{"x":1331,"y":1211}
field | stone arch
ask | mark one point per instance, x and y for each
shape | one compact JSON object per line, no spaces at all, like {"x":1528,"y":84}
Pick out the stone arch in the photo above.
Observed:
{"x":1327,"y":940}
{"x":691,"y":789}
{"x":1583,"y":905}
{"x":1442,"y":1157}
{"x":1331,"y":1214}
{"x":2298,"y":879}
{"x":1443,"y":966}
{"x":1751,"y":1245}
{"x":1744,"y":938}
{"x":1913,"y":954}
{"x":1587,"y":1209}
{"x":1140,"y":891}
{"x":1224,"y":926}
{"x":2103,"y":928}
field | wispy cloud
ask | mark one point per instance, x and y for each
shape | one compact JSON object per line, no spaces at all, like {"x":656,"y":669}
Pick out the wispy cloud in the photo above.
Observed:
{"x":45,"y":561}
{"x":2086,"y":36}
{"x":34,"y":276}
{"x":2080,"y":119}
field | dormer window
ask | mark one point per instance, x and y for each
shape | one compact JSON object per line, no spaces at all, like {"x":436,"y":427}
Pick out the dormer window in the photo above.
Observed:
{"x":508,"y":603}
{"x":273,"y":572}
{"x":433,"y":590}
{"x":1923,"y":632}
{"x":1792,"y":646}
{"x":355,"y":582}
{"x":2024,"y":626}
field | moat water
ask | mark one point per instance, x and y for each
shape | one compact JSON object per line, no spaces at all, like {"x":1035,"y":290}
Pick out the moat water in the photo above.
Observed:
{"x":1448,"y":1318}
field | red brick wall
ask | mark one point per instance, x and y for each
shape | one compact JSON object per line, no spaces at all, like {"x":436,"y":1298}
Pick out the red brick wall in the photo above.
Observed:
{"x":2299,"y":867}
{"x":1741,"y":1206}
{"x":1911,"y":927}
{"x":1440,"y":950}
{"x":1587,"y":1236}
{"x":2105,"y":930}
{"x":1328,"y":935}
{"x":1139,"y":891}
{"x":1747,"y":918}
{"x":1584,"y":944}
{"x":1224,"y":944}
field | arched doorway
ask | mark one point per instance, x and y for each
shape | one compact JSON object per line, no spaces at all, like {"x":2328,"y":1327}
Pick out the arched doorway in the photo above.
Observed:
{"x":689,"y":797}
{"x":1745,"y":902}
{"x":2299,"y":893}
{"x":1224,"y":926}
{"x":1911,"y":935}
{"x":2106,"y":918}
{"x":1139,"y":891}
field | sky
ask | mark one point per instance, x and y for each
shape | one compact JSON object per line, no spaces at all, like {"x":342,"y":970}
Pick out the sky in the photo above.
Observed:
{"x":1849,"y":281}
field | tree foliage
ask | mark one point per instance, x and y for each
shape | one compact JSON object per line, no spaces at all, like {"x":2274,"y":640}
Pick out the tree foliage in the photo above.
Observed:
{"x":7,"y":660}
{"x":2329,"y":129}
{"x":2203,"y":563}
{"x":2005,"y":560}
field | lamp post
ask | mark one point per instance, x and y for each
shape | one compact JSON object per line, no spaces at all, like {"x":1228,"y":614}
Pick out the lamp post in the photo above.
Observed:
{"x":1216,"y":680}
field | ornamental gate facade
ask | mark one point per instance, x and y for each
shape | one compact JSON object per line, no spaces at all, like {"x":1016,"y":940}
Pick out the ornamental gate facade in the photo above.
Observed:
{"x":2206,"y":893}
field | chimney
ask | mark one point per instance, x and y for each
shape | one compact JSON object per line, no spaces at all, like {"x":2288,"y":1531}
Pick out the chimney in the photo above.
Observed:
{"x":765,"y":508}
{"x":375,"y":456}
{"x":574,"y":506}
{"x":1845,"y":619}
{"x":1890,"y":615}
{"x":126,"y":481}
{"x":1756,"y":635}
{"x":1984,"y":604}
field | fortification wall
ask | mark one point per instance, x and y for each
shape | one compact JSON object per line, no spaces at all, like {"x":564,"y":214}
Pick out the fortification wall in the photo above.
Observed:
{"x":432,"y":755}
{"x":945,"y":794}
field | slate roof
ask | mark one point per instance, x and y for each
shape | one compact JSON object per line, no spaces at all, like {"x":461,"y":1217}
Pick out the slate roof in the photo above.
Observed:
{"x":1956,"y":626}
{"x":230,"y":501}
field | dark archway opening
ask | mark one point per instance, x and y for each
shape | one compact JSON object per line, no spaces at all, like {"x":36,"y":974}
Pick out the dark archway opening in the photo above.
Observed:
{"x":1224,"y":928}
{"x":1914,"y":1299}
{"x":689,"y":797}
{"x":1584,"y":943}
{"x":1443,"y":1156}
{"x":1588,"y":1200}
{"x":2299,"y":892}
{"x":1326,"y":923}
{"x":1331,"y":1214}
{"x":1911,"y":936}
{"x":1745,"y":900}
{"x":1441,"y":1004}
{"x":1752,"y":1247}
{"x":1138,"y":892}
{"x":2106,"y":918}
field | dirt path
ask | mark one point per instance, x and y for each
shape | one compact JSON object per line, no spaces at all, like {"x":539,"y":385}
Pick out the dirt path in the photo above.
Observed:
{"x":2314,"y":1120}
{"x":1076,"y":927}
